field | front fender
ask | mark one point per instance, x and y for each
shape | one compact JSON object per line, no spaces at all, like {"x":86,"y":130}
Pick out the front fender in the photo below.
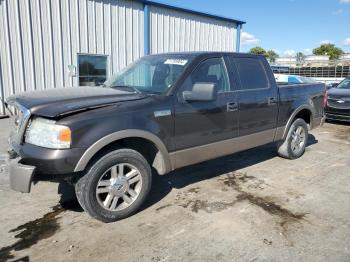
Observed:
{"x":165,"y":165}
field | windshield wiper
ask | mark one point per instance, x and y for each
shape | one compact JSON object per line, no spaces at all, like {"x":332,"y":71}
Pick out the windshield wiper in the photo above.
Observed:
{"x":125,"y":86}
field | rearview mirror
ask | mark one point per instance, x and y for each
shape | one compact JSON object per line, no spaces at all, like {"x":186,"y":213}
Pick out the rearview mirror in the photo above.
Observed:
{"x":201,"y":92}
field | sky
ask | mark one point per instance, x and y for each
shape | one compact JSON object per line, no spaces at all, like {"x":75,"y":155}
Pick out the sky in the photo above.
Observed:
{"x":285,"y":26}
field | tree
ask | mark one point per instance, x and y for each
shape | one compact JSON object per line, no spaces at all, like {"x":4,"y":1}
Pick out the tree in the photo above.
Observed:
{"x":272,"y":55}
{"x":300,"y":57}
{"x":328,"y":49}
{"x":258,"y":51}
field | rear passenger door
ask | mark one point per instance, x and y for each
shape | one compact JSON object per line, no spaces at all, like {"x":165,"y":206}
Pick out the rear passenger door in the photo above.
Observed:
{"x":257,"y":97}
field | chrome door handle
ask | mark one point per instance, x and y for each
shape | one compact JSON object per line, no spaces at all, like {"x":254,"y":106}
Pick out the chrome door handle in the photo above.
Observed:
{"x":232,"y":106}
{"x":271,"y":101}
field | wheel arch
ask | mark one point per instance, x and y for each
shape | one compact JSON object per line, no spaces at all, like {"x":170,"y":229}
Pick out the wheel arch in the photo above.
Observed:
{"x":161,"y":161}
{"x":305,"y":112}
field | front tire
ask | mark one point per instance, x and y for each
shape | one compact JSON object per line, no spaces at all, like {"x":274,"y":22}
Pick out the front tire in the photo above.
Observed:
{"x":295,"y":142}
{"x":115,"y":186}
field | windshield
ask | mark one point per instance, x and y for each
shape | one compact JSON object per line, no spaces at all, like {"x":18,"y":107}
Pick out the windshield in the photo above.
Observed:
{"x":345,"y":84}
{"x":151,"y":74}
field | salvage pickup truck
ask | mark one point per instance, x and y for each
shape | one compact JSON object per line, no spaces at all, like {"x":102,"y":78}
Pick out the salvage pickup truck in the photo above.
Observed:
{"x":164,"y":111}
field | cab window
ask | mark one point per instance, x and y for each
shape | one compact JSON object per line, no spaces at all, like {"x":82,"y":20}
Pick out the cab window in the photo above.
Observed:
{"x":212,"y":70}
{"x":251,"y":72}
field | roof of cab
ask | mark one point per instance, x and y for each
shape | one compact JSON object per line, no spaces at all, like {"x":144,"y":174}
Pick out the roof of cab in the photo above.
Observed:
{"x":200,"y":53}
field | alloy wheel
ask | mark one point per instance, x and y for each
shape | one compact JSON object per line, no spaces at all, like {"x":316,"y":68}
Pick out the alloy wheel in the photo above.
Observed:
{"x":119,"y":187}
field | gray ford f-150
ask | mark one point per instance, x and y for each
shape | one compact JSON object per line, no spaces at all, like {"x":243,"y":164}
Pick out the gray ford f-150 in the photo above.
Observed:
{"x":163,"y":111}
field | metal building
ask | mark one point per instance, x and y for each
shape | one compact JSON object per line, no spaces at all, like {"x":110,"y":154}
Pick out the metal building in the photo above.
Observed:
{"x":62,"y":43}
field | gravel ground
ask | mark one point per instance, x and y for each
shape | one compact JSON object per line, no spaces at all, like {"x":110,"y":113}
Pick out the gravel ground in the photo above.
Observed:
{"x":250,"y":206}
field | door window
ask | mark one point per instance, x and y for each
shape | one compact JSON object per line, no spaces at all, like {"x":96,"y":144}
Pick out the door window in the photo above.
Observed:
{"x":212,"y":70}
{"x":92,"y":70}
{"x":251,"y":73}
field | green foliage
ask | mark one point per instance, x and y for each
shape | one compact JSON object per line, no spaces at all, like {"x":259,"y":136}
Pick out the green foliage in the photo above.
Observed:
{"x":328,"y":49}
{"x":300,"y":57}
{"x":272,"y":55}
{"x":258,"y":51}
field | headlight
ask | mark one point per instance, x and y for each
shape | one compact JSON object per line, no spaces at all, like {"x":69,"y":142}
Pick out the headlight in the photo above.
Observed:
{"x":46,"y":133}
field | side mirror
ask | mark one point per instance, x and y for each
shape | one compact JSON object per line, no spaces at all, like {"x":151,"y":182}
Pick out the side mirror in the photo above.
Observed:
{"x":201,"y":92}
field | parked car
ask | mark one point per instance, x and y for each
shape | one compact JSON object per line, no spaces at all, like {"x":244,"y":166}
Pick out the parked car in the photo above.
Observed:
{"x":331,"y":85}
{"x":282,"y":79}
{"x":338,"y":102}
{"x":163,"y":111}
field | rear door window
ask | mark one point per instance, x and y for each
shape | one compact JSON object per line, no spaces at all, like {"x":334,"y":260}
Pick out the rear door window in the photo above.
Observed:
{"x":251,"y":73}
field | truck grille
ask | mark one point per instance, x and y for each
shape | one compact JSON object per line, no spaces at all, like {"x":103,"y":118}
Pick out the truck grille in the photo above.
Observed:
{"x":338,"y":103}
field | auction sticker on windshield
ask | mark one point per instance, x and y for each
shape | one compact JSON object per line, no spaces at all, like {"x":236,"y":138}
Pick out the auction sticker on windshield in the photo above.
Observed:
{"x":176,"y":62}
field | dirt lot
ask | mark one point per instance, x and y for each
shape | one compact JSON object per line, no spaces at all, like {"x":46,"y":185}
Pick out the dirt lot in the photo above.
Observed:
{"x":250,"y":206}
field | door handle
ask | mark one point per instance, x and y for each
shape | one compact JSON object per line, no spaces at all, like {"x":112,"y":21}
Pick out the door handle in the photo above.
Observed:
{"x":271,"y":101}
{"x":232,"y":106}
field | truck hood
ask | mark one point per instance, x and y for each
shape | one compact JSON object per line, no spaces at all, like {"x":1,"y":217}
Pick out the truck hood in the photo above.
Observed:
{"x":339,"y":93}
{"x":63,"y":101}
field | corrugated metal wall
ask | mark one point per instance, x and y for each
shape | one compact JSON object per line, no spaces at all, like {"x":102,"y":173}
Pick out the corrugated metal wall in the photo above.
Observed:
{"x":173,"y":31}
{"x":40,"y":38}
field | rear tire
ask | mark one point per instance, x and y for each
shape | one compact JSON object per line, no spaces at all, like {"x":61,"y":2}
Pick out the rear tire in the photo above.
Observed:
{"x":295,"y":142}
{"x":115,"y":186}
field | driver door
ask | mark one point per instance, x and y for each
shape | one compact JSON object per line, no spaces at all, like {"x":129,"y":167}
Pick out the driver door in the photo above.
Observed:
{"x":199,"y":125}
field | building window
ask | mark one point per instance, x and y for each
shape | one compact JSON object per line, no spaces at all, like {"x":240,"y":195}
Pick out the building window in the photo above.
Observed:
{"x":92,"y":70}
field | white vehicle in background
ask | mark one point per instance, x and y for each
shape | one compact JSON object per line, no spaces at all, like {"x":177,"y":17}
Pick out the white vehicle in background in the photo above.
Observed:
{"x":282,"y":79}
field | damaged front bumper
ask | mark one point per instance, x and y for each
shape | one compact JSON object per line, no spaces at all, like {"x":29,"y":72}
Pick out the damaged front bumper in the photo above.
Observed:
{"x":21,"y":176}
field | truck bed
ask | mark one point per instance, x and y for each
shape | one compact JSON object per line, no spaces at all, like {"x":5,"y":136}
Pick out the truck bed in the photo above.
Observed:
{"x":292,"y":95}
